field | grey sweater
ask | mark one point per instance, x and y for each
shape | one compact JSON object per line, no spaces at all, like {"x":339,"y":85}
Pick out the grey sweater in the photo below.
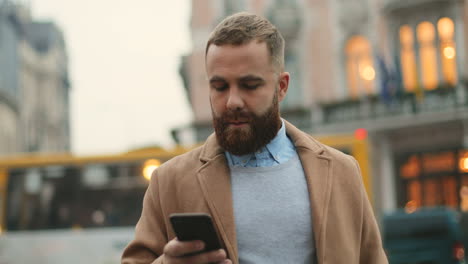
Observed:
{"x":272,"y":214}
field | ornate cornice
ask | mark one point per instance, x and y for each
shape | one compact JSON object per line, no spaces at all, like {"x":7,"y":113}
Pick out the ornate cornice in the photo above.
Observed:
{"x":397,"y":6}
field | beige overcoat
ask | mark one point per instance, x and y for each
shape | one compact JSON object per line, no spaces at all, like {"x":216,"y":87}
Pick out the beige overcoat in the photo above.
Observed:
{"x":344,"y":226}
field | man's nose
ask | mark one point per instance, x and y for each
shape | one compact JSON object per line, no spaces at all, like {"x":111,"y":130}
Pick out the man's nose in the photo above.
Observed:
{"x":235,"y":101}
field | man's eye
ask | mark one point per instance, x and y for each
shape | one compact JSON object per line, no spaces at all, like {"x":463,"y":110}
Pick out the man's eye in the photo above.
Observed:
{"x":219,"y":87}
{"x":251,"y":86}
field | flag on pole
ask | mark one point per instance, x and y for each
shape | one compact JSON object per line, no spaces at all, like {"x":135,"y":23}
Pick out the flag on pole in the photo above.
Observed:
{"x":389,"y":82}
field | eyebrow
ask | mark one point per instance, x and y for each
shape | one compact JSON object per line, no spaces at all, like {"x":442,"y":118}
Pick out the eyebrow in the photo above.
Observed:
{"x":250,"y":78}
{"x":217,"y":79}
{"x":247,"y":78}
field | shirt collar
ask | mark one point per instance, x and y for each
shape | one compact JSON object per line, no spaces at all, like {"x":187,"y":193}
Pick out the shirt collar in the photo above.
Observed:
{"x":272,"y":149}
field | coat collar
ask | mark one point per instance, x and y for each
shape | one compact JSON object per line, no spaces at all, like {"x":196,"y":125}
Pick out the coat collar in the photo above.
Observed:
{"x":215,"y":181}
{"x":300,"y":139}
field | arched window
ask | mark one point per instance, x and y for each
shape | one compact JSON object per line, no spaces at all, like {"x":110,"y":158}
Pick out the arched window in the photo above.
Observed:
{"x":445,"y":28}
{"x":360,"y":66}
{"x":427,"y":55}
{"x":408,"y":60}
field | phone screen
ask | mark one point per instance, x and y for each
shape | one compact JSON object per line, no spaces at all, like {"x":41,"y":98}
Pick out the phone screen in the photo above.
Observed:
{"x":195,"y":226}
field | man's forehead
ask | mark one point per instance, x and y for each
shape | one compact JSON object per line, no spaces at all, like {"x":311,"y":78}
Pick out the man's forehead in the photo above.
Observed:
{"x":231,"y":55}
{"x":234,"y":62}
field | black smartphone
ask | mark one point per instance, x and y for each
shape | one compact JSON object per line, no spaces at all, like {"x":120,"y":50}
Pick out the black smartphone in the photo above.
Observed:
{"x":195,"y":226}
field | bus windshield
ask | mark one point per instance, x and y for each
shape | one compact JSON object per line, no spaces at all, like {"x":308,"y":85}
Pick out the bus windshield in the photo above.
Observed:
{"x":71,"y":196}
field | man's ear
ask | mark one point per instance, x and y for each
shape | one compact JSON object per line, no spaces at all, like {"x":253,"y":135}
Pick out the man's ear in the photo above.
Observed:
{"x":283,"y":85}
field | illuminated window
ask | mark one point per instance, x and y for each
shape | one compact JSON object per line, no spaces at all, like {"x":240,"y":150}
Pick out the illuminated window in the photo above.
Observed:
{"x":449,"y":187}
{"x":411,"y":169}
{"x":434,"y":179}
{"x":439,"y":162}
{"x":408,"y":61}
{"x":445,"y":28}
{"x":464,"y":196}
{"x":432,"y":195}
{"x":360,"y":67}
{"x":428,"y":55}
{"x":414,"y":193}
{"x":463,"y":162}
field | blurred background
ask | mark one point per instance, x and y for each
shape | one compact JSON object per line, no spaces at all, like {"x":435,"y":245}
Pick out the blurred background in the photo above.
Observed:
{"x":95,"y":95}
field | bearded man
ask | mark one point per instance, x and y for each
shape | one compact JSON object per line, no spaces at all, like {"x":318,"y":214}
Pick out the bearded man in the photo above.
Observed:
{"x":274,"y":193}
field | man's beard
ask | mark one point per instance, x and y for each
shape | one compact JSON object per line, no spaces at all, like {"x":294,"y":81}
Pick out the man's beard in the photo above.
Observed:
{"x":259,"y":130}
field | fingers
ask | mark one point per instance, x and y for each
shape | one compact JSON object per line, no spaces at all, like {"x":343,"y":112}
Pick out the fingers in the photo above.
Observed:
{"x":216,"y":256}
{"x":175,"y":252}
{"x":176,"y":248}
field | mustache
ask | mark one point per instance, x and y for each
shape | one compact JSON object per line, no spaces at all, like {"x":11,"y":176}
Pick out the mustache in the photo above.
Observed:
{"x":237,"y":115}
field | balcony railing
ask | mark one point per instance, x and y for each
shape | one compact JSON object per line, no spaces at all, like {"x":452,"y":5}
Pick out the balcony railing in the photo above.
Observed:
{"x":444,"y":98}
{"x":395,"y":6}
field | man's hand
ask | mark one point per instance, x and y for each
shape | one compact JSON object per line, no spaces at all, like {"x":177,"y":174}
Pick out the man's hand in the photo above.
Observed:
{"x":175,"y":252}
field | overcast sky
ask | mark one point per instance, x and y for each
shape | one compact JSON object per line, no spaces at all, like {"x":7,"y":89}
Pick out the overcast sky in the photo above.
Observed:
{"x":123,"y":64}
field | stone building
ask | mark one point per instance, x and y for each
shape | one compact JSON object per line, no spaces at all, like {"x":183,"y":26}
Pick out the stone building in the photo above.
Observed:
{"x":395,"y":68}
{"x":34,"y":85}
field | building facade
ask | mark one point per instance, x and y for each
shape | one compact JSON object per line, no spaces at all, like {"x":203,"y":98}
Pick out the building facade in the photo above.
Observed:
{"x":395,"y":68}
{"x":9,"y":111}
{"x":34,"y":86}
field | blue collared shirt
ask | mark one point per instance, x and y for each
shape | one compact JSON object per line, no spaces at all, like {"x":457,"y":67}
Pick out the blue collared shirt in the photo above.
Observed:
{"x":278,"y":151}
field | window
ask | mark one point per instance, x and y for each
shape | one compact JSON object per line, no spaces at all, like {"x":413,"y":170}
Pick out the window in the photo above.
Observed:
{"x":431,"y":55}
{"x":408,"y":61}
{"x":414,"y":193}
{"x":360,"y":67}
{"x":434,"y":179}
{"x":446,"y":30}
{"x":427,"y":55}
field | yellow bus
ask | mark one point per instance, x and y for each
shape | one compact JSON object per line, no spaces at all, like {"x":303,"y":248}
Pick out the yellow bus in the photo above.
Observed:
{"x":66,"y":209}
{"x":72,"y":209}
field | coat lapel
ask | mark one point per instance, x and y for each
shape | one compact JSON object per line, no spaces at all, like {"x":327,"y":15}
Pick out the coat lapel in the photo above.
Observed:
{"x":215,"y":181}
{"x":317,"y":170}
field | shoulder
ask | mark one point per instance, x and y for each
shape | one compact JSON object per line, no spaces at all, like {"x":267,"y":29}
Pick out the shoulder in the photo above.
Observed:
{"x":188,"y":162}
{"x":345,"y":172}
{"x":337,"y":156}
{"x":342,"y":164}
{"x":175,"y":184}
{"x":175,"y":176}
{"x":328,"y":152}
{"x":341,"y":161}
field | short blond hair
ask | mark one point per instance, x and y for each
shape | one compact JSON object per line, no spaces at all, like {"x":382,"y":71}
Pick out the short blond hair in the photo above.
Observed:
{"x":241,"y":28}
